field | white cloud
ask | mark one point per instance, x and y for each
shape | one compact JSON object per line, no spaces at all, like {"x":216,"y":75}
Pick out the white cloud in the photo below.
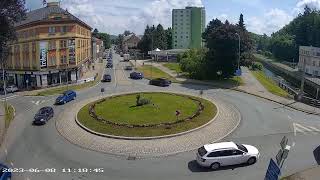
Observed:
{"x":311,"y":3}
{"x":272,"y":21}
{"x":116,"y":16}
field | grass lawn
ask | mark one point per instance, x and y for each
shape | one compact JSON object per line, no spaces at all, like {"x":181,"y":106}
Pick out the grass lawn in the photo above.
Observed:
{"x":163,"y":109}
{"x":9,"y":115}
{"x":151,"y":72}
{"x":173,"y":66}
{"x":147,"y":114}
{"x":269,"y":84}
{"x":60,"y":90}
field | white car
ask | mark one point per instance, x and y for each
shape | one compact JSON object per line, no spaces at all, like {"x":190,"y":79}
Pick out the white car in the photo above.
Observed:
{"x":12,"y":88}
{"x":225,"y":154}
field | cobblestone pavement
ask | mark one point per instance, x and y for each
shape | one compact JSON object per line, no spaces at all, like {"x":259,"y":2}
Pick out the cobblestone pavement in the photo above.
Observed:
{"x":226,"y":121}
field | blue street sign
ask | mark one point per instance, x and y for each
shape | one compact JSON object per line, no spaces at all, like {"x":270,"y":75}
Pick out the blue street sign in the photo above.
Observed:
{"x":238,"y":72}
{"x":273,"y":171}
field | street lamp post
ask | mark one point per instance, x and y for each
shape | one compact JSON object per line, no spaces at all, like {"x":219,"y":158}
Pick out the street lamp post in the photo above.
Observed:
{"x":151,"y":53}
{"x":238,"y":51}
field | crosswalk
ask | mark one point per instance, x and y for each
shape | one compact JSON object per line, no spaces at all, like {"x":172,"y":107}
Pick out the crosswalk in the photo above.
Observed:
{"x":304,"y":129}
{"x":9,"y":97}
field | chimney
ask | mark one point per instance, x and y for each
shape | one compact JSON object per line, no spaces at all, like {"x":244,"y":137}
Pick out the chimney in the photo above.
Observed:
{"x":53,"y":4}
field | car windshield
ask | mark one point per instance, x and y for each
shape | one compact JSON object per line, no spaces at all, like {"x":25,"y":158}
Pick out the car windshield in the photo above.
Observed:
{"x":242,"y":147}
{"x":202,"y":151}
{"x":42,"y":111}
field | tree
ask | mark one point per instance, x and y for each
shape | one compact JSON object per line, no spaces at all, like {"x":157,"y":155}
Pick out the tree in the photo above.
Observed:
{"x":160,"y":40}
{"x":241,"y":24}
{"x":127,"y":32}
{"x":95,"y":33}
{"x":105,"y":37}
{"x":222,"y":55}
{"x":193,"y":62}
{"x":119,"y":41}
{"x":11,"y":12}
{"x":215,"y":23}
{"x":168,"y":33}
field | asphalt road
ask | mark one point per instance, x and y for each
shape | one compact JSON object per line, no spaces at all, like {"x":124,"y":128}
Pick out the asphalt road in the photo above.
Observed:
{"x":263,"y":125}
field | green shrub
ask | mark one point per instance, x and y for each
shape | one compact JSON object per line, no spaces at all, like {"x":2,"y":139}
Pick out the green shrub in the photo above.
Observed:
{"x":256,"y":66}
{"x":142,"y":101}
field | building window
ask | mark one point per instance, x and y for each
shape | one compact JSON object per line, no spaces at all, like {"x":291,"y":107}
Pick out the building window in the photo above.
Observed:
{"x":52,"y":60}
{"x":52,"y":45}
{"x":63,"y":44}
{"x":52,"y":30}
{"x":33,"y":47}
{"x":63,"y":59}
{"x":63,"y":29}
{"x":314,"y":63}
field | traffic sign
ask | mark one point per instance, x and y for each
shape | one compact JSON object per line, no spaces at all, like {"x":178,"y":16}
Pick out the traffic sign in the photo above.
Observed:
{"x":284,"y":142}
{"x":238,"y":72}
{"x":273,"y":171}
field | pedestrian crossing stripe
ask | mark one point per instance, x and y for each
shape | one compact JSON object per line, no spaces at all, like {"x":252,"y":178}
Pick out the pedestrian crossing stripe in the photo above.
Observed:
{"x":304,"y":129}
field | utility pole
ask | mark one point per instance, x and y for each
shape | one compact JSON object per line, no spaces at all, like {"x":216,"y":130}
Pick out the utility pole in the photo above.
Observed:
{"x":4,"y":86}
{"x":303,"y":76}
{"x":151,"y":52}
{"x":238,"y":50}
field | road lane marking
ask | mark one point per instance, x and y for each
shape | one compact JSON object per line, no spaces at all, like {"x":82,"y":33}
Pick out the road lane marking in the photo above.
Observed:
{"x":300,"y":128}
{"x":293,"y":144}
{"x":9,"y":97}
{"x":289,"y":117}
{"x":6,"y":151}
{"x":313,"y":128}
{"x":11,"y":164}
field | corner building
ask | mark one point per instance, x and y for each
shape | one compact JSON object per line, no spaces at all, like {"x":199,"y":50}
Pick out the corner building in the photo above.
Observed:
{"x":53,"y":47}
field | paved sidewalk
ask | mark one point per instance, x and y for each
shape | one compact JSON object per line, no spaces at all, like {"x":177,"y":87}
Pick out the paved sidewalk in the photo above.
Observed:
{"x":99,"y":67}
{"x":310,"y":174}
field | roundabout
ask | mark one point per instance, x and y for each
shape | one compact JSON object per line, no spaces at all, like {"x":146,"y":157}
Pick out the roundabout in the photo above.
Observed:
{"x":223,"y":123}
{"x":164,"y":114}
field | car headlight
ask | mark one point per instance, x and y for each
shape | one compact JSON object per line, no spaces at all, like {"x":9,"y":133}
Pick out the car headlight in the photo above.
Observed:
{"x":41,"y":120}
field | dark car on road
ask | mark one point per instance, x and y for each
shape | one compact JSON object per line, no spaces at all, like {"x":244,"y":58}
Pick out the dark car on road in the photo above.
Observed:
{"x":136,"y":75}
{"x":66,"y":97}
{"x":128,"y":68}
{"x":43,"y":116}
{"x":106,"y":78}
{"x":109,"y":65}
{"x":160,"y":82}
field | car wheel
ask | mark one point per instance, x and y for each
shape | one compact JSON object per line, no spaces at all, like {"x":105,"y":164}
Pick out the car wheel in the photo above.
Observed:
{"x":215,"y":166}
{"x":251,"y":160}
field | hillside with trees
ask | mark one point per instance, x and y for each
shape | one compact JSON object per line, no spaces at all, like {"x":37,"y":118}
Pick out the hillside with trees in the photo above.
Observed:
{"x":284,"y":44}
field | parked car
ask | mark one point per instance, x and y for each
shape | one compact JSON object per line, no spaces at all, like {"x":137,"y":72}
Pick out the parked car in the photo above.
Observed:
{"x":136,"y":75}
{"x":4,"y":175}
{"x":106,"y":78}
{"x":128,"y":68}
{"x":12,"y":88}
{"x":109,"y":65}
{"x":43,"y":115}
{"x":66,"y":97}
{"x":160,"y":82}
{"x":225,"y":154}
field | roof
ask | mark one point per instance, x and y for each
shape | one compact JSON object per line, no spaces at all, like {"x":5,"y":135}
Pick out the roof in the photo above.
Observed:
{"x":222,"y":145}
{"x":43,"y":14}
{"x":126,"y":38}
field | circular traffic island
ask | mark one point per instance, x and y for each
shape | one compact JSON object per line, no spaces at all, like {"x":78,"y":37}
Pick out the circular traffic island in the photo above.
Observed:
{"x":146,"y":114}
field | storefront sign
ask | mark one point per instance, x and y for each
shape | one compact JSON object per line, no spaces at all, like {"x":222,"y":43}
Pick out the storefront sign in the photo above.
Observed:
{"x":43,"y":54}
{"x":72,"y":55}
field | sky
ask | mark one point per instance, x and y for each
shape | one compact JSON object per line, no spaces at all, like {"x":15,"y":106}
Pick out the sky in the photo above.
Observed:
{"x":116,"y":16}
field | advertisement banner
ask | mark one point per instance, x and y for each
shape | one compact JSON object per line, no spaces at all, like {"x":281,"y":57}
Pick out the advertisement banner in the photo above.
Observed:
{"x":43,"y":54}
{"x":72,"y":51}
